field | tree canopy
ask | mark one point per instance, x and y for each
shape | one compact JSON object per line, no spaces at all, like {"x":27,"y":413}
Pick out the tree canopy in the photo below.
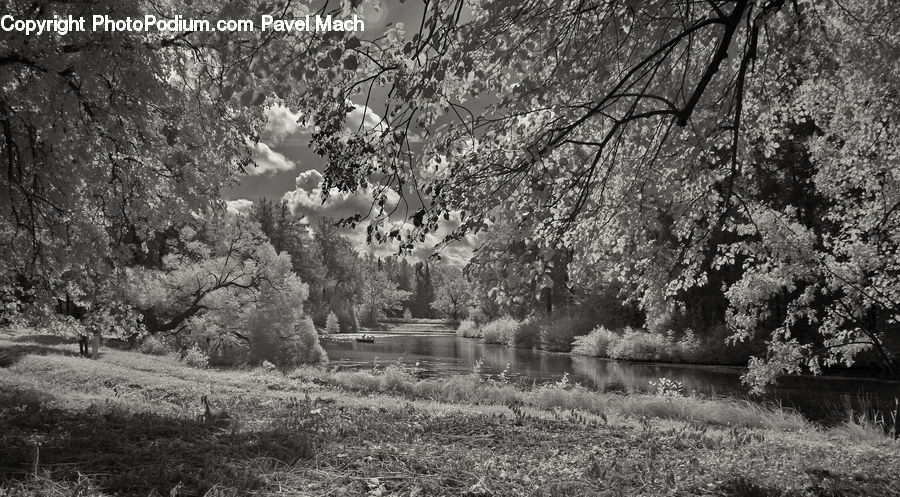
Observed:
{"x":109,"y":137}
{"x":742,"y":151}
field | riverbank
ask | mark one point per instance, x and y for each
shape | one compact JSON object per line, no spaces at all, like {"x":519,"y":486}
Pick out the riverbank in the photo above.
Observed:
{"x":127,"y":424}
{"x":578,"y":336}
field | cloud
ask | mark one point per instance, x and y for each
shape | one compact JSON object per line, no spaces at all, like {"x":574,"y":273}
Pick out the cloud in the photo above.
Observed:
{"x":267,"y":160}
{"x":281,"y":122}
{"x":240,"y":206}
{"x":309,"y":180}
{"x":455,"y":253}
{"x":308,"y":200}
{"x":362,"y":119}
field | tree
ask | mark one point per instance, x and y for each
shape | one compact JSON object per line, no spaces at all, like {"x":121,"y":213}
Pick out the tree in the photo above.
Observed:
{"x":289,"y":234}
{"x":379,"y":293}
{"x":332,"y":325}
{"x":224,"y":287}
{"x":423,"y":295}
{"x":342,"y":286}
{"x":453,"y":293}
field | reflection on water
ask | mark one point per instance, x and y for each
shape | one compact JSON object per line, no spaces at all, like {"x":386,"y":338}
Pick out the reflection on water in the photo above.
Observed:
{"x":438,"y":356}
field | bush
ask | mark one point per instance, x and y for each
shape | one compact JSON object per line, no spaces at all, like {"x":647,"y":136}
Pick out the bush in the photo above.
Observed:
{"x":643,"y":345}
{"x":558,"y":334}
{"x":332,"y":324}
{"x":196,"y":357}
{"x":596,"y":343}
{"x":499,"y":331}
{"x":284,"y":343}
{"x":687,"y":349}
{"x":154,"y":346}
{"x":527,"y":335}
{"x":468,"y":328}
{"x":638,"y":345}
{"x":667,"y":387}
{"x":303,"y":346}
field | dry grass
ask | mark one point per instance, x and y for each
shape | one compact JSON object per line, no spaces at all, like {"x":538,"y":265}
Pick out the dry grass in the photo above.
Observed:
{"x":128,"y":424}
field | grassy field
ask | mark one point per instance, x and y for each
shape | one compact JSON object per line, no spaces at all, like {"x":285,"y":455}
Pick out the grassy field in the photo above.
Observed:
{"x":131,"y":424}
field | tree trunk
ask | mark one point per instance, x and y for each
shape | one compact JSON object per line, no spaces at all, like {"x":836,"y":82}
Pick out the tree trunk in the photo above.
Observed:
{"x":83,"y":349}
{"x":155,"y":325}
{"x":95,"y":345}
{"x":896,"y":433}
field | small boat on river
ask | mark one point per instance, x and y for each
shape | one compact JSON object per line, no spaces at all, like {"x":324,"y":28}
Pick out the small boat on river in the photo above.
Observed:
{"x":366,"y":339}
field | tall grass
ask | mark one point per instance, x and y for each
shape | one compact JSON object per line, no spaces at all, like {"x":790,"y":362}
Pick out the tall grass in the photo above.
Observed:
{"x":473,"y":390}
{"x":468,"y":328}
{"x":499,"y":331}
{"x":595,"y":343}
{"x":527,"y":335}
{"x":639,"y":345}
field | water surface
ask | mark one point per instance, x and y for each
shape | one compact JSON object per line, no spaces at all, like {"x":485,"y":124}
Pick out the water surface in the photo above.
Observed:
{"x":822,"y":398}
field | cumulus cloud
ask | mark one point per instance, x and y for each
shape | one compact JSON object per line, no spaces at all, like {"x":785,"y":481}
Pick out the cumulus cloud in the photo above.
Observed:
{"x":240,"y":206}
{"x":267,"y":160}
{"x":309,"y":180}
{"x":455,"y":253}
{"x":281,"y":122}
{"x":308,"y":200}
{"x":362,"y":118}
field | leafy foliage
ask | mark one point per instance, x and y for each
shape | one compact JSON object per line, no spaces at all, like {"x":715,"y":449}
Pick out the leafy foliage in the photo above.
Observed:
{"x":332,"y":325}
{"x":453,"y":294}
{"x":154,"y":346}
{"x":196,"y":357}
{"x":216,"y":285}
{"x":678,"y":149}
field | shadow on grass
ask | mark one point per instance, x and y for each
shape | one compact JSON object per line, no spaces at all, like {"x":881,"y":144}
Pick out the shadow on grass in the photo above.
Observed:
{"x":819,"y":483}
{"x":139,"y":453}
{"x":43,"y":339}
{"x":11,"y":354}
{"x":47,"y":345}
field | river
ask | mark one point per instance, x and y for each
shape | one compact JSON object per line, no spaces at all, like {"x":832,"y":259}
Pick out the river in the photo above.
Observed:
{"x":820,"y":398}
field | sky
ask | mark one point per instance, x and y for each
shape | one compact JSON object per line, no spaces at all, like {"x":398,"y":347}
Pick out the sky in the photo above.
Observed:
{"x":287,"y":168}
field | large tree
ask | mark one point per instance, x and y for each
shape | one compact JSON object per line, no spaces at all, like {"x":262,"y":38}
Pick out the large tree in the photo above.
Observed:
{"x":222,"y":284}
{"x":379,"y":293}
{"x":453,"y":294}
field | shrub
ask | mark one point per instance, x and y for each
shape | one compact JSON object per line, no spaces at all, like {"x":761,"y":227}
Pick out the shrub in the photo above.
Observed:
{"x":303,"y":346}
{"x":643,"y":345}
{"x":332,"y":324}
{"x":638,"y":345}
{"x":196,"y":357}
{"x":558,"y":334}
{"x":407,"y":314}
{"x":687,"y":349}
{"x":468,"y":328}
{"x":527,"y":335}
{"x":499,"y":331}
{"x":284,"y":343}
{"x":596,"y":343}
{"x":667,"y":387}
{"x":154,"y":346}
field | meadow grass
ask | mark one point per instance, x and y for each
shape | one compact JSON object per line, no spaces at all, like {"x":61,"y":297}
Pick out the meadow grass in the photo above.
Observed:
{"x":131,"y":424}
